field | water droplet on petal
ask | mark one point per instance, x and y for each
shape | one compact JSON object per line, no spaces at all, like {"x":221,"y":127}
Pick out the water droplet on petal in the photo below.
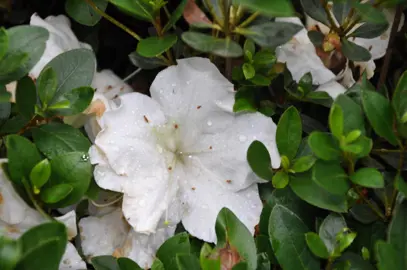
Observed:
{"x":209,"y":123}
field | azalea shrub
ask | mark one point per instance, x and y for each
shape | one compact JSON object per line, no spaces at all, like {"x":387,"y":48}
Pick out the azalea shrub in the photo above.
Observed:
{"x":213,"y":135}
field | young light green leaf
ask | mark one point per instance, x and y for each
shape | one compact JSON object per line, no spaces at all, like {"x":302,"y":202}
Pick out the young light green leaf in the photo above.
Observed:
{"x":331,"y":177}
{"x":345,"y":239}
{"x":210,"y":44}
{"x":83,"y":13}
{"x":47,"y":85}
{"x":336,"y":121}
{"x":315,"y":10}
{"x":289,"y":133}
{"x":353,"y":136}
{"x":280,"y":179}
{"x":206,"y":262}
{"x":26,"y":97}
{"x":355,"y":52}
{"x":368,"y":177}
{"x":40,"y":173}
{"x":22,"y":156}
{"x":10,"y":253}
{"x":303,"y":164}
{"x":282,"y":8}
{"x":231,"y":232}
{"x":271,"y":34}
{"x":155,"y":46}
{"x":286,"y":232}
{"x":56,"y":193}
{"x":248,"y":71}
{"x":259,"y":160}
{"x":56,"y":139}
{"x":324,"y":146}
{"x":249,"y":47}
{"x":316,"y":245}
{"x":157,"y":265}
{"x":365,"y":253}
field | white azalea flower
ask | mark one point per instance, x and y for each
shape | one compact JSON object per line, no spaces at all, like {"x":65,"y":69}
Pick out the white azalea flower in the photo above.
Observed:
{"x":110,"y":234}
{"x":181,"y":155}
{"x":16,"y":217}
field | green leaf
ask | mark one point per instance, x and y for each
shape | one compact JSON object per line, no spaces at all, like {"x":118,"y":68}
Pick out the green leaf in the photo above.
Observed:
{"x":329,"y":229}
{"x":280,"y":179}
{"x":369,"y":13}
{"x":25,"y":39}
{"x":73,"y":102}
{"x":331,"y":177}
{"x":248,"y":71}
{"x":3,"y":42}
{"x":245,"y":100}
{"x":4,"y":99}
{"x":263,"y":262}
{"x":353,"y":136}
{"x":282,"y":8}
{"x":401,"y":185}
{"x":370,"y":30}
{"x":249,"y":46}
{"x":10,"y":64}
{"x":22,"y":156}
{"x":365,"y":144}
{"x":397,"y":234}
{"x":316,"y":245}
{"x":83,"y":13}
{"x":316,"y":37}
{"x":40,"y":173}
{"x":345,"y":239}
{"x":74,"y":169}
{"x":231,"y":232}
{"x":264,"y":58}
{"x":271,"y":34}
{"x":259,"y":160}
{"x":175,"y":245}
{"x":145,"y":62}
{"x":336,"y":121}
{"x":365,"y":253}
{"x":379,"y":113}
{"x":10,"y":253}
{"x":155,"y":46}
{"x":43,"y":246}
{"x":399,"y":100}
{"x":260,"y":80}
{"x":305,"y":188}
{"x":387,"y":256}
{"x":127,"y":264}
{"x":355,"y":52}
{"x":187,"y":262}
{"x":56,"y":193}
{"x":47,"y":85}
{"x":341,"y":10}
{"x":368,"y":177}
{"x":206,"y":261}
{"x":315,"y":10}
{"x":105,"y":263}
{"x":175,"y":16}
{"x":356,"y":262}
{"x":289,"y":133}
{"x":26,"y":97}
{"x":303,"y":164}
{"x":324,"y":146}
{"x":157,"y":265}
{"x":139,"y":8}
{"x":210,"y":44}
{"x":286,"y":232}
{"x":74,"y":69}
{"x":56,"y":139}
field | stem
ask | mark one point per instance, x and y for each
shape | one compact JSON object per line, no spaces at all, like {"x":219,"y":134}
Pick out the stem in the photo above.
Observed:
{"x":33,"y":200}
{"x":213,"y":13}
{"x":249,"y":20}
{"x":389,"y":208}
{"x":168,"y":15}
{"x":32,"y":123}
{"x":351,"y":25}
{"x":113,"y":20}
{"x":228,"y":64}
{"x":386,"y":150}
{"x":159,"y":29}
{"x":329,"y":264}
{"x":330,"y":16}
{"x":387,"y":58}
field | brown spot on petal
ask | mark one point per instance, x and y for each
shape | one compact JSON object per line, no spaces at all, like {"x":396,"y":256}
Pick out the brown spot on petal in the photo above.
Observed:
{"x":122,"y":88}
{"x":228,"y":181}
{"x":370,"y":47}
{"x":117,"y":253}
{"x":199,"y":107}
{"x":193,"y":188}
{"x":1,"y":199}
{"x":146,"y":119}
{"x":12,"y":229}
{"x":170,"y":168}
{"x":210,"y":147}
{"x":109,"y":87}
{"x":176,"y":126}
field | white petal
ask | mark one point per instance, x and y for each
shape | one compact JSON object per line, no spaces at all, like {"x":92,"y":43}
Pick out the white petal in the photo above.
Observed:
{"x":302,"y":58}
{"x":11,"y":88}
{"x":333,"y":89}
{"x":69,"y":219}
{"x":204,"y":198}
{"x":109,"y":84}
{"x":12,"y":207}
{"x":142,"y":248}
{"x":101,"y":236}
{"x":71,"y":259}
{"x":61,"y":39}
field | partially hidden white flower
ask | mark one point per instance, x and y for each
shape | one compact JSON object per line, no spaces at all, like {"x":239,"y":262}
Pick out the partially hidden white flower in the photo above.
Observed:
{"x":181,"y":155}
{"x":300,"y":56}
{"x":16,"y":217}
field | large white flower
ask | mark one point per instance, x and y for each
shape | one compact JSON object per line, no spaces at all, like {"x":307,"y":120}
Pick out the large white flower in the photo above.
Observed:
{"x":16,"y":217}
{"x":181,"y":155}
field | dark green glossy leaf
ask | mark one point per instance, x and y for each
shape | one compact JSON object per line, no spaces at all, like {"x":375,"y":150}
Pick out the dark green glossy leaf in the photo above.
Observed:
{"x":368,"y":177}
{"x":324,"y":146}
{"x":178,"y":244}
{"x":330,"y":227}
{"x":356,"y":261}
{"x":282,"y":8}
{"x":155,"y":46}
{"x":187,"y":262}
{"x":289,"y":133}
{"x":245,"y":101}
{"x":127,"y":264}
{"x":105,"y":263}
{"x":271,"y":34}
{"x":55,"y":139}
{"x":210,"y":44}
{"x":399,"y":100}
{"x":331,"y":177}
{"x":341,"y":10}
{"x":83,"y":13}
{"x":157,"y":265}
{"x":139,"y":8}
{"x":259,"y":160}
{"x":287,"y":232}
{"x":47,"y":85}
{"x":10,"y":253}
{"x":175,"y":15}
{"x":315,"y":10}
{"x":316,"y":37}
{"x":379,"y":113}
{"x":370,"y":30}
{"x":369,"y":13}
{"x":353,"y":114}
{"x":316,"y":245}
{"x":145,"y":62}
{"x":387,"y":256}
{"x":3,"y":42}
{"x":22,"y":157}
{"x":26,"y":97}
{"x":355,"y":52}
